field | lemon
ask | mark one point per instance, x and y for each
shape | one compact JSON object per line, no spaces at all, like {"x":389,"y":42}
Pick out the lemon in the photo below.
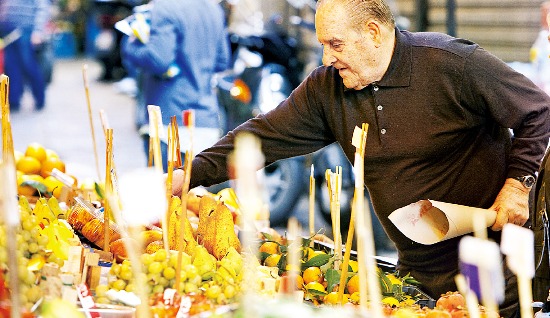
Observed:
{"x":392,"y":301}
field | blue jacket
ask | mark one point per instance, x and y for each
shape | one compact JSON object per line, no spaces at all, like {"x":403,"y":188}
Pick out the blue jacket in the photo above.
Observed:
{"x":192,"y":34}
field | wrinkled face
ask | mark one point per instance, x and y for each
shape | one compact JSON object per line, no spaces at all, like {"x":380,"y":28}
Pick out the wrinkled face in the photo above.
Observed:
{"x":346,"y":48}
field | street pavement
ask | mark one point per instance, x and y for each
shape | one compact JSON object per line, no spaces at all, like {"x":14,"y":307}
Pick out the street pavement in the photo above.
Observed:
{"x":64,"y":124}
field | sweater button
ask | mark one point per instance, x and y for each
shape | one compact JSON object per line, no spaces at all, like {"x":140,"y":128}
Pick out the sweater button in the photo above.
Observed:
{"x":375,"y":88}
{"x":379,"y":107}
{"x":383,"y":131}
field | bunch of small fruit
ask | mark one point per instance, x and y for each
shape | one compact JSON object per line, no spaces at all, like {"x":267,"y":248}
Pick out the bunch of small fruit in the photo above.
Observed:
{"x":34,"y":168}
{"x":32,"y":252}
{"x":319,"y":278}
{"x":201,"y":273}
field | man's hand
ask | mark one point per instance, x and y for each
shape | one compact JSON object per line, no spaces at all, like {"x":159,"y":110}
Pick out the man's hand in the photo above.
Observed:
{"x":511,"y":205}
{"x":177,"y":181}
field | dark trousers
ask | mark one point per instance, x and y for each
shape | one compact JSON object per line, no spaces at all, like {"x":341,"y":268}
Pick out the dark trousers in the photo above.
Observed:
{"x":23,"y":68}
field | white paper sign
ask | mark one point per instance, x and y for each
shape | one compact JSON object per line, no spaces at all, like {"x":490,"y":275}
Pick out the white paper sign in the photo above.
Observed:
{"x":517,"y":244}
{"x":143,"y":196}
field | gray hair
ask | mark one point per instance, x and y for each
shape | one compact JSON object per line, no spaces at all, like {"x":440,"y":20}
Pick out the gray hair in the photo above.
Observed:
{"x":360,"y":11}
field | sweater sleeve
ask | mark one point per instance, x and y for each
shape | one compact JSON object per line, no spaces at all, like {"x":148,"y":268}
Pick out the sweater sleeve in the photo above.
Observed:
{"x":159,"y":52}
{"x":295,"y":127}
{"x":493,"y":88}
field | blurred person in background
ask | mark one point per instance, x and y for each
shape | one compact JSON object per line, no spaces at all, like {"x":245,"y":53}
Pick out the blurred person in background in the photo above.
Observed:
{"x":25,"y":21}
{"x":188,"y":44}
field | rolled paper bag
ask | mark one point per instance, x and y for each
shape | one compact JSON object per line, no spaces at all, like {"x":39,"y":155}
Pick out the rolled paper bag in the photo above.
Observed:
{"x":428,"y":222}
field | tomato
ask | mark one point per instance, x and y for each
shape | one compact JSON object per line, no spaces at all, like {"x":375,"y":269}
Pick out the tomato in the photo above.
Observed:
{"x":451,"y":301}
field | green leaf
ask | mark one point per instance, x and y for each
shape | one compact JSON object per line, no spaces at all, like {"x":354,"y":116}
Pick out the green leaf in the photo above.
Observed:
{"x":385,"y":283}
{"x":332,"y":277}
{"x":317,"y":261}
{"x":263,"y":256}
{"x":316,"y":292}
{"x":99,"y":191}
{"x":267,"y":236}
{"x":39,"y":186}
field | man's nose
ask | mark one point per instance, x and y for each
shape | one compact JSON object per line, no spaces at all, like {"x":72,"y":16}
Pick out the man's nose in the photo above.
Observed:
{"x":328,"y":58}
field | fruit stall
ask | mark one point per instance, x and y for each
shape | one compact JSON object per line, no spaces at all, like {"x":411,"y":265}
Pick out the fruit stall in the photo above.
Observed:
{"x":125,"y":246}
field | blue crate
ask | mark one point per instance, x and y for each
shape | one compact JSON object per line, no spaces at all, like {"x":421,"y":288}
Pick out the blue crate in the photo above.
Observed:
{"x":64,"y":44}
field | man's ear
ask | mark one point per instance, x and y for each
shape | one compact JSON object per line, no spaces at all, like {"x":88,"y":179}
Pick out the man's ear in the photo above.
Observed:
{"x":374,"y":32}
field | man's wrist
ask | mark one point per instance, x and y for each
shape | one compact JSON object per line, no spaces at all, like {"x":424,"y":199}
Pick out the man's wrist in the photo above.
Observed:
{"x":528,"y":181}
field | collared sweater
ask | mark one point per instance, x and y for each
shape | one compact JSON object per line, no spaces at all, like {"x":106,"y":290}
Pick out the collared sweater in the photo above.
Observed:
{"x":439,"y":128}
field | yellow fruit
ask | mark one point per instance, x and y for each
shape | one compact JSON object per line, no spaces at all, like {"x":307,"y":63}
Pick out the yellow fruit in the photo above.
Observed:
{"x":312,"y":274}
{"x":332,"y":298}
{"x":272,"y":260}
{"x":354,"y":265}
{"x":54,"y":186}
{"x":353,"y":284}
{"x":270,"y":248}
{"x":36,"y":150}
{"x":50,"y":154}
{"x":355,"y":298}
{"x":311,"y":253}
{"x":28,"y":165}
{"x":315,"y":286}
{"x":394,"y":280}
{"x":49,"y":164}
{"x":28,"y":190}
{"x":392,"y":301}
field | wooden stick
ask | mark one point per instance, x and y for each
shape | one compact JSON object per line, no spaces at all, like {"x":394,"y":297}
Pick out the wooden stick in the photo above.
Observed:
{"x":347,"y":254}
{"x":525,"y":295}
{"x":11,"y":218}
{"x":105,"y":125}
{"x":7,"y":137}
{"x":108,"y":190}
{"x":185,"y":188}
{"x":87,"y":91}
{"x":294,"y":254}
{"x":311,"y":206}
{"x":338,"y":238}
{"x":155,"y":120}
{"x":178,"y":162}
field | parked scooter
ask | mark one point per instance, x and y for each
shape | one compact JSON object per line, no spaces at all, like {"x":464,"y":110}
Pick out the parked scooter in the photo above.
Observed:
{"x":265,"y":71}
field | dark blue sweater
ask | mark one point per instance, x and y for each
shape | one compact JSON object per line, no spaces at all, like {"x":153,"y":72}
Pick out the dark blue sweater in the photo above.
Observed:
{"x":192,"y":34}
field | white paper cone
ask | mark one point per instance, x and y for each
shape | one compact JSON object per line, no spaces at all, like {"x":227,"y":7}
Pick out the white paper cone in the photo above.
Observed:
{"x":428,"y":222}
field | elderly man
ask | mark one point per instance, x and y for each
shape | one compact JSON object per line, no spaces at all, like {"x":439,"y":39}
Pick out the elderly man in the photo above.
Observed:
{"x":439,"y":111}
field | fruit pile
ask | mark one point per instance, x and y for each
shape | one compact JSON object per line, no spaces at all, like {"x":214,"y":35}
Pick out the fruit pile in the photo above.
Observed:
{"x":33,"y":237}
{"x":34,"y":168}
{"x":320,"y":280}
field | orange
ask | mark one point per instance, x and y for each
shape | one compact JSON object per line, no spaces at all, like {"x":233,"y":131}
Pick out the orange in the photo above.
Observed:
{"x":49,"y":164}
{"x":36,"y":150}
{"x":353,"y":284}
{"x":270,"y":248}
{"x":28,"y":190}
{"x":312,"y":274}
{"x":28,"y":165}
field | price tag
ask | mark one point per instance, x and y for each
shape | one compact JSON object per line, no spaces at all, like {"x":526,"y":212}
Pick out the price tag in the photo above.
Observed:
{"x":517,"y":244}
